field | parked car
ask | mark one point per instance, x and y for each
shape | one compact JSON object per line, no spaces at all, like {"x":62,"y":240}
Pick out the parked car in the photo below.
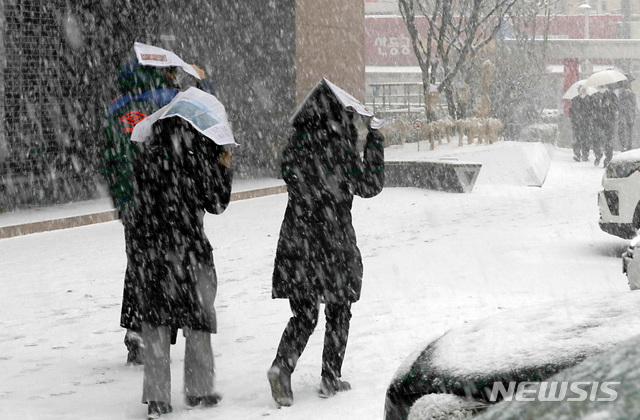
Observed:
{"x":631,"y":263}
{"x":619,"y":201}
{"x":468,"y":363}
{"x":615,"y":371}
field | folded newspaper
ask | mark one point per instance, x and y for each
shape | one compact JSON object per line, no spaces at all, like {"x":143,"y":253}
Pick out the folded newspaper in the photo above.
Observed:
{"x":148,"y":55}
{"x":203,"y":111}
{"x":347,"y":100}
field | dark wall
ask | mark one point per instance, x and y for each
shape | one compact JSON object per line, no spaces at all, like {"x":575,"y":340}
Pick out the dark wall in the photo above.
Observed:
{"x":36,"y":142}
{"x":248,"y":49}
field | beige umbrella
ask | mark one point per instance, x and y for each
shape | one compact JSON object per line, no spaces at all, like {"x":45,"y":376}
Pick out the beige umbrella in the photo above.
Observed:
{"x":574,"y":90}
{"x":605,"y":77}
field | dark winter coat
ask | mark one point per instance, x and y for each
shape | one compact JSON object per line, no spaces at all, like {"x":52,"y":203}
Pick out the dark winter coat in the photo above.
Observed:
{"x":608,"y":112}
{"x":178,"y":178}
{"x":317,"y":253}
{"x":143,"y":90}
{"x":578,"y":113}
{"x":627,"y":106}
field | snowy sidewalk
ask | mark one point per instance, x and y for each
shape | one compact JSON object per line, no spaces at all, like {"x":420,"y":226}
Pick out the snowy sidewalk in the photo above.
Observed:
{"x":81,"y":213}
{"x":432,"y":261}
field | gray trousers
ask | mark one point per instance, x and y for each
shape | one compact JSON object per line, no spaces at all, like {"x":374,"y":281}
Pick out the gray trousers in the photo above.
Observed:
{"x":198,"y":364}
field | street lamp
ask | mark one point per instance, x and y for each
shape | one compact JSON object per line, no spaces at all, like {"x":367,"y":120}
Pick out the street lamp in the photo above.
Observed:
{"x":586,"y":9}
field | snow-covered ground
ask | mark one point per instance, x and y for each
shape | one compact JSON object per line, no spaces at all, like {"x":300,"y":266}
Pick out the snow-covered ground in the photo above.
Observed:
{"x":432,"y":260}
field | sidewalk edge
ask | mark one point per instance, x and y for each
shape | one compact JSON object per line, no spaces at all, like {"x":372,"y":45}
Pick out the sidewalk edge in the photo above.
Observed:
{"x":110,"y":215}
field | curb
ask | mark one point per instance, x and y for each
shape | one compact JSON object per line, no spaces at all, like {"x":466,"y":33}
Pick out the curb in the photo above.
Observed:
{"x":110,"y":215}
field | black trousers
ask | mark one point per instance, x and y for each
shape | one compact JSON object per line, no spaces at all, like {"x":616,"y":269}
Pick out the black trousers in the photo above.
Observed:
{"x":625,"y":134}
{"x":603,"y":142}
{"x":300,"y":327}
{"x":580,"y":142}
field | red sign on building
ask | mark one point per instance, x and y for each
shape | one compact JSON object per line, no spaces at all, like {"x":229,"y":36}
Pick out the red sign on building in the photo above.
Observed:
{"x":387,"y":41}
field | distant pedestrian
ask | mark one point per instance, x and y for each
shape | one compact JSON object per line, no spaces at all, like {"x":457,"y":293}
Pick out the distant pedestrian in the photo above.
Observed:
{"x":317,"y":260}
{"x":579,"y":115}
{"x":626,"y":116}
{"x":606,"y":115}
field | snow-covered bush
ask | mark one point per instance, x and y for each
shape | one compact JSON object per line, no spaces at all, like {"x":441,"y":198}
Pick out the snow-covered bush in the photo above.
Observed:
{"x":399,"y":131}
{"x":545,"y":133}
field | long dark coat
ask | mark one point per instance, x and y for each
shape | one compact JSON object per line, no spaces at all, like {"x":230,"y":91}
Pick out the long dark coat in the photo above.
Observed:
{"x":578,"y":113}
{"x":317,"y":253}
{"x":609,"y":111}
{"x":627,"y":106}
{"x":178,"y":178}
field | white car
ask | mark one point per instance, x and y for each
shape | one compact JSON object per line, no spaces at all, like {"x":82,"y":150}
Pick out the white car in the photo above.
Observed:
{"x":631,"y":263}
{"x":620,"y":200}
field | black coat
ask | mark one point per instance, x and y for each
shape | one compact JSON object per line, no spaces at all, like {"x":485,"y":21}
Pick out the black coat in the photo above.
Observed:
{"x":317,"y":253}
{"x":579,"y":112}
{"x":607,"y":111}
{"x":178,"y":178}
{"x":627,"y":106}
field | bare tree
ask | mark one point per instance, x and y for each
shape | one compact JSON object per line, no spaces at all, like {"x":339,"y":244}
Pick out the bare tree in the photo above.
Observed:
{"x":524,"y":88}
{"x":456,"y":31}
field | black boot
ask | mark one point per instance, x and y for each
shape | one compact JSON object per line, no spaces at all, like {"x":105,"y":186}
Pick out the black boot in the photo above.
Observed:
{"x":206,"y":401}
{"x":158,"y":408}
{"x":329,"y":387}
{"x":280,"y":381}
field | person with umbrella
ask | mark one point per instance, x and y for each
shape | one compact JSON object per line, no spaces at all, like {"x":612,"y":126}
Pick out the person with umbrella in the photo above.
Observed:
{"x":317,"y":259}
{"x":579,"y":114}
{"x":605,"y":112}
{"x":607,"y":121}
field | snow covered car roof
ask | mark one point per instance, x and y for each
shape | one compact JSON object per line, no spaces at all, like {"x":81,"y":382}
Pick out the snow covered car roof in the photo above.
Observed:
{"x":628,"y":156}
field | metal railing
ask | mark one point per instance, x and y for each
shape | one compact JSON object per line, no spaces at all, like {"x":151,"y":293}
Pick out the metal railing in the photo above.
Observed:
{"x":397,"y":98}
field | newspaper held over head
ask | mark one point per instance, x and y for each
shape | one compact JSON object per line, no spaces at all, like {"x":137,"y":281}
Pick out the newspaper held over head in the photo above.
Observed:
{"x":148,"y":55}
{"x":347,"y":100}
{"x":203,"y":111}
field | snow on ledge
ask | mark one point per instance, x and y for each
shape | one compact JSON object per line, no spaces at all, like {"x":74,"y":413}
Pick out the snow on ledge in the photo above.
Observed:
{"x":503,"y":163}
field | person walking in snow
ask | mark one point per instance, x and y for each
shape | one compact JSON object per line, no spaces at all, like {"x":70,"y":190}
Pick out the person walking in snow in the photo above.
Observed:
{"x":626,"y":116}
{"x":606,"y":109}
{"x":179,"y":175}
{"x":142,"y":91}
{"x":578,"y":114}
{"x":317,"y":259}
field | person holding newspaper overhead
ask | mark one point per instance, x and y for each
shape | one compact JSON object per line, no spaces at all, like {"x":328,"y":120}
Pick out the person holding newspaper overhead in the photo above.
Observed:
{"x":180,"y":169}
{"x":317,"y":259}
{"x":180,"y":174}
{"x":143,"y":89}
